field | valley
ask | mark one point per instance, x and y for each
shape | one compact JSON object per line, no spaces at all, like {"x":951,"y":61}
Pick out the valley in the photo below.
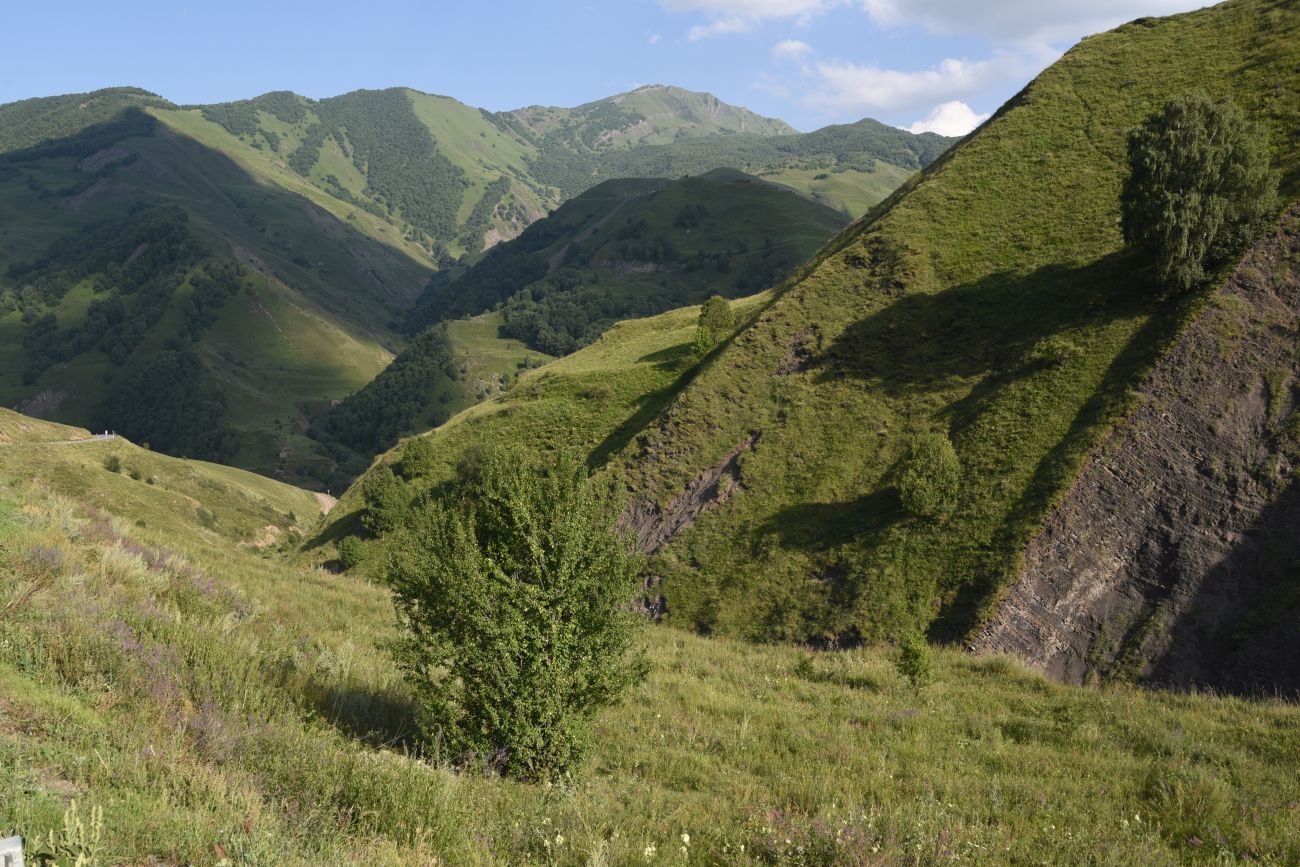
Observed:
{"x":395,"y":481}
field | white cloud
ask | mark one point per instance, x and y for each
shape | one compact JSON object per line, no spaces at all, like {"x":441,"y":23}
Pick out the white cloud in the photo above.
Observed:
{"x":1024,"y":21}
{"x":949,"y":118}
{"x":848,"y":88}
{"x":654,"y":39}
{"x":741,"y":16}
{"x":791,"y":49}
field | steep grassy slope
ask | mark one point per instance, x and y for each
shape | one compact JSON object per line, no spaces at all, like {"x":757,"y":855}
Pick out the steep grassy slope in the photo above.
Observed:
{"x":990,"y":299}
{"x":218,"y":705}
{"x":1174,"y":559}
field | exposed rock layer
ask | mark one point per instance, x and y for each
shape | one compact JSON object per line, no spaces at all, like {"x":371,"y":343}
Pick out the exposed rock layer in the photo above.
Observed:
{"x":1175,"y":557}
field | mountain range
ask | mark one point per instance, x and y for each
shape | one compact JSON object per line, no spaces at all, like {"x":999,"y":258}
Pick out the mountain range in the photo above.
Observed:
{"x":1089,"y":656}
{"x":262,"y":259}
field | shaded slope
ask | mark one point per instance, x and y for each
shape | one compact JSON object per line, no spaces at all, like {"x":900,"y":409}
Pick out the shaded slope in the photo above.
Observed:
{"x":990,"y":301}
{"x":631,"y":248}
{"x":1174,"y":559}
{"x":127,"y":241}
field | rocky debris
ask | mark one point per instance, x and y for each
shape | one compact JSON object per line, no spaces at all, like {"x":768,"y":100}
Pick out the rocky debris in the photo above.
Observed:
{"x":1175,"y":557}
{"x":799,"y":351}
{"x":655,"y":526}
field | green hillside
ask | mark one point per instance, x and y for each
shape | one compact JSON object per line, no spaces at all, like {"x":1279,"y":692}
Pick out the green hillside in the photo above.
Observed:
{"x":218,"y":703}
{"x":623,"y":249}
{"x":635,"y":247}
{"x":990,"y":300}
{"x":934,"y":315}
{"x":259,"y":258}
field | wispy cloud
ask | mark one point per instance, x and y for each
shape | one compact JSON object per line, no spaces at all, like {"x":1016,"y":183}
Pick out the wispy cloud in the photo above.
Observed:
{"x":1057,"y":22}
{"x":741,"y":16}
{"x":791,"y":49}
{"x":654,"y":39}
{"x":848,"y":88}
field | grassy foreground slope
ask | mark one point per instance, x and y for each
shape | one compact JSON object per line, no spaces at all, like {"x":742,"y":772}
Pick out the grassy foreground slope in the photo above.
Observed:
{"x":991,"y":301}
{"x":221,"y":707}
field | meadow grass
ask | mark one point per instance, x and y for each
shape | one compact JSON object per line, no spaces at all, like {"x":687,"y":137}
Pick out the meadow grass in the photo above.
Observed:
{"x":217,"y":705}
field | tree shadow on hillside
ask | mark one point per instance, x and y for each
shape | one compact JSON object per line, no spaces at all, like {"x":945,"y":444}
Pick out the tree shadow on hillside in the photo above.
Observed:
{"x":1054,"y":473}
{"x":652,"y":405}
{"x":921,"y":342}
{"x":816,"y":527}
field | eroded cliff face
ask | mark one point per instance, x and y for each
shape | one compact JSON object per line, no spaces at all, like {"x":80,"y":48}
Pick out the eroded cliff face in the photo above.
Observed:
{"x":1175,"y":557}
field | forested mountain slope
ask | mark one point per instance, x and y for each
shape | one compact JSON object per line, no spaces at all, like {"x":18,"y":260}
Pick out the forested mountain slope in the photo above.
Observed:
{"x":154,"y":285}
{"x":622,"y":249}
{"x":990,"y":299}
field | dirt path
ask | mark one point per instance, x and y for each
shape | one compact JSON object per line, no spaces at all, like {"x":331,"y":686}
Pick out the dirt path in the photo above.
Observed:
{"x":97,"y":438}
{"x":326,"y":502}
{"x":558,"y":259}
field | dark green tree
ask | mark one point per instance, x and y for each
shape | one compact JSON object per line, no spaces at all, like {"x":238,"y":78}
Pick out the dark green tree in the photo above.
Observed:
{"x":930,"y":477}
{"x":515,"y":601}
{"x":388,"y":502}
{"x":1200,"y":188}
{"x":716,"y":322}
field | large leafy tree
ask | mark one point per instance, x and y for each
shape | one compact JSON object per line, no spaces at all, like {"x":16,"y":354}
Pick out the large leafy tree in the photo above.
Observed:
{"x":515,"y":598}
{"x":1200,"y":188}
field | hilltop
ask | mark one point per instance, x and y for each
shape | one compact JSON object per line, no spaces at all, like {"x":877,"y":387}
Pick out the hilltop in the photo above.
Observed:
{"x":990,"y":299}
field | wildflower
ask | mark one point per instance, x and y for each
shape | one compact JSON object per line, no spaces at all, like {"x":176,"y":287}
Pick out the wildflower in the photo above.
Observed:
{"x":686,"y":839}
{"x":649,"y":851}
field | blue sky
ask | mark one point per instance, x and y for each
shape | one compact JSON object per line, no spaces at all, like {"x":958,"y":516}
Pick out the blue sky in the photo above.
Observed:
{"x":920,"y":64}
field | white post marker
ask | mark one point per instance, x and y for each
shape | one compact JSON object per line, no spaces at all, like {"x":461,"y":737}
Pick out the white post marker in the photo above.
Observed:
{"x":11,"y":852}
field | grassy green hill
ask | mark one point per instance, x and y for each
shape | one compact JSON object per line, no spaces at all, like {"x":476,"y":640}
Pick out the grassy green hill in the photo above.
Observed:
{"x":622,"y":249}
{"x":222,"y":704}
{"x":989,"y":299}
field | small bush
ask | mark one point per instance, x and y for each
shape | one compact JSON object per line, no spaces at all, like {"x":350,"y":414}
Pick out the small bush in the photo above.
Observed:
{"x":419,"y":457}
{"x":351,"y":552}
{"x":930,"y":477}
{"x":515,"y":602}
{"x":387,"y":501}
{"x":113,"y":464}
{"x":914,"y":660}
{"x":716,"y":322}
